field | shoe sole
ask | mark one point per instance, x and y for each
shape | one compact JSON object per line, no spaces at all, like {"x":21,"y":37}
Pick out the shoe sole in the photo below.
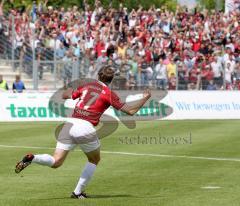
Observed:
{"x":21,"y":166}
{"x":79,"y":197}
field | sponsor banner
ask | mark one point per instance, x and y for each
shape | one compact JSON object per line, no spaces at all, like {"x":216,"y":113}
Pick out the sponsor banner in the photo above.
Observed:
{"x":29,"y":107}
{"x":203,"y":104}
{"x":185,"y":105}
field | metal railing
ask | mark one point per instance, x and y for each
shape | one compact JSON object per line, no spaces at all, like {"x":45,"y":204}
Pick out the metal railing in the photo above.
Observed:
{"x":28,"y":56}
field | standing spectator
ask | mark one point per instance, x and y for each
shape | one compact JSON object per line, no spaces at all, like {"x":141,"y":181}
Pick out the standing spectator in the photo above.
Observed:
{"x":60,"y":52}
{"x":228,"y":76}
{"x":189,"y":62}
{"x":210,"y":74}
{"x":131,"y":83}
{"x":196,"y":44}
{"x":217,"y":71}
{"x":161,"y":75}
{"x":171,"y":68}
{"x":68,"y":67}
{"x":34,"y":11}
{"x":102,"y":59}
{"x":18,"y":85}
{"x":39,"y":52}
{"x":230,"y":63}
{"x":27,"y":58}
{"x":207,"y":75}
{"x":134,"y":66}
{"x":172,"y":82}
{"x":99,"y":48}
{"x":194,"y":76}
{"x":182,"y":77}
{"x":144,"y":74}
{"x":92,"y":73}
{"x":236,"y":76}
{"x":3,"y":84}
{"x":122,"y":49}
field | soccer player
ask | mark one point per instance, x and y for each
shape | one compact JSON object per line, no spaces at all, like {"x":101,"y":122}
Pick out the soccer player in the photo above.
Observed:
{"x":93,"y":99}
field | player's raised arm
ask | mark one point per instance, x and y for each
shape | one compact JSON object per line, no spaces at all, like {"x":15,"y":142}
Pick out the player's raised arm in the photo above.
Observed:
{"x":133,"y":108}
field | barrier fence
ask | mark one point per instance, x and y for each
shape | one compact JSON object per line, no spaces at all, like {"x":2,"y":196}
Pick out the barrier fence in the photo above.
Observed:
{"x":55,"y":65}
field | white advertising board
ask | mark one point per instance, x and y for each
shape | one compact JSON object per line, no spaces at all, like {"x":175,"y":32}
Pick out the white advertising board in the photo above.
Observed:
{"x":185,"y":105}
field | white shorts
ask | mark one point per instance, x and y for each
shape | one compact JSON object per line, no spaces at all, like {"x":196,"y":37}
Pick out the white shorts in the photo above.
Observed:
{"x":78,"y":132}
{"x":86,"y":148}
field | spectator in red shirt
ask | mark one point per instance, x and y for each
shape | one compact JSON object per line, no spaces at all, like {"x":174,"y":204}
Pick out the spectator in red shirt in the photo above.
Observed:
{"x":100,"y":46}
{"x":196,"y":44}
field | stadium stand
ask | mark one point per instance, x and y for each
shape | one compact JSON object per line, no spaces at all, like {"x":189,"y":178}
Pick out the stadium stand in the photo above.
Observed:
{"x":158,"y":48}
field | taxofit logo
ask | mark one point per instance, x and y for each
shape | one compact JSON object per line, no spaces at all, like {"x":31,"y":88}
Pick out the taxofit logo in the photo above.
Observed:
{"x":153,"y":109}
{"x":56,"y":110}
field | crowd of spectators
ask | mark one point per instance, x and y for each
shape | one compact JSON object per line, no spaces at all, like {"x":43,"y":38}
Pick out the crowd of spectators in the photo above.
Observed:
{"x":155,"y":47}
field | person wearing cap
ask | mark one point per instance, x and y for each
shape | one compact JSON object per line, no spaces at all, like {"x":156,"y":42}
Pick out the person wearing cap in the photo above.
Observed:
{"x":3,"y":84}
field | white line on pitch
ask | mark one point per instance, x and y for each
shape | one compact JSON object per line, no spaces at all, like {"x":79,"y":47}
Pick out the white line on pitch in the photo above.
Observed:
{"x":135,"y":154}
{"x":174,"y":156}
{"x":25,"y":147}
{"x":211,"y":187}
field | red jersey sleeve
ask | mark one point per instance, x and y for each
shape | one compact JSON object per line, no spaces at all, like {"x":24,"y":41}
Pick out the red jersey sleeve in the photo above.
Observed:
{"x":76,"y":94}
{"x":115,"y":101}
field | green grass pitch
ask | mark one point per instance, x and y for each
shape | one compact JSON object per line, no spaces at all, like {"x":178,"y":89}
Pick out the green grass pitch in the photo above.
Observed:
{"x":125,"y":179}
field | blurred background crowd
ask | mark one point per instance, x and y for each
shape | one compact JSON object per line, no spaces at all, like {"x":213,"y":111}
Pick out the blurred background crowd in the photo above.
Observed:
{"x":155,"y":47}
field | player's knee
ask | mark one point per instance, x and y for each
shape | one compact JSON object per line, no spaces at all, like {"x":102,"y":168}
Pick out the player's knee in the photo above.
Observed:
{"x":97,"y":160}
{"x":94,"y":160}
{"x":58,"y":163}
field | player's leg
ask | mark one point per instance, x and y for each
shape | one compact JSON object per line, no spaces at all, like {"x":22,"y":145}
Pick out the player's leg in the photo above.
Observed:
{"x":59,"y":155}
{"x":54,"y":161}
{"x":89,"y":169}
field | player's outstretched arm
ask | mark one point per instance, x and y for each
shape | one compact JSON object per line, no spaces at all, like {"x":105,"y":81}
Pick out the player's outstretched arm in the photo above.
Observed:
{"x":67,"y":94}
{"x":133,"y":108}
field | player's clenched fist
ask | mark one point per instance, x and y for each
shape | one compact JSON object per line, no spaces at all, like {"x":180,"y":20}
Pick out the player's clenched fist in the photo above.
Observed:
{"x":147,"y":93}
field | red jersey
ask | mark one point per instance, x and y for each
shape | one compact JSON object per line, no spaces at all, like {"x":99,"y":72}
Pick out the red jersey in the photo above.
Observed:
{"x":94,"y":98}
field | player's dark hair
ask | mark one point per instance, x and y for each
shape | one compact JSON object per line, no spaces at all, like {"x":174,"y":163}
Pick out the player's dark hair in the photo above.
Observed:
{"x":106,"y":74}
